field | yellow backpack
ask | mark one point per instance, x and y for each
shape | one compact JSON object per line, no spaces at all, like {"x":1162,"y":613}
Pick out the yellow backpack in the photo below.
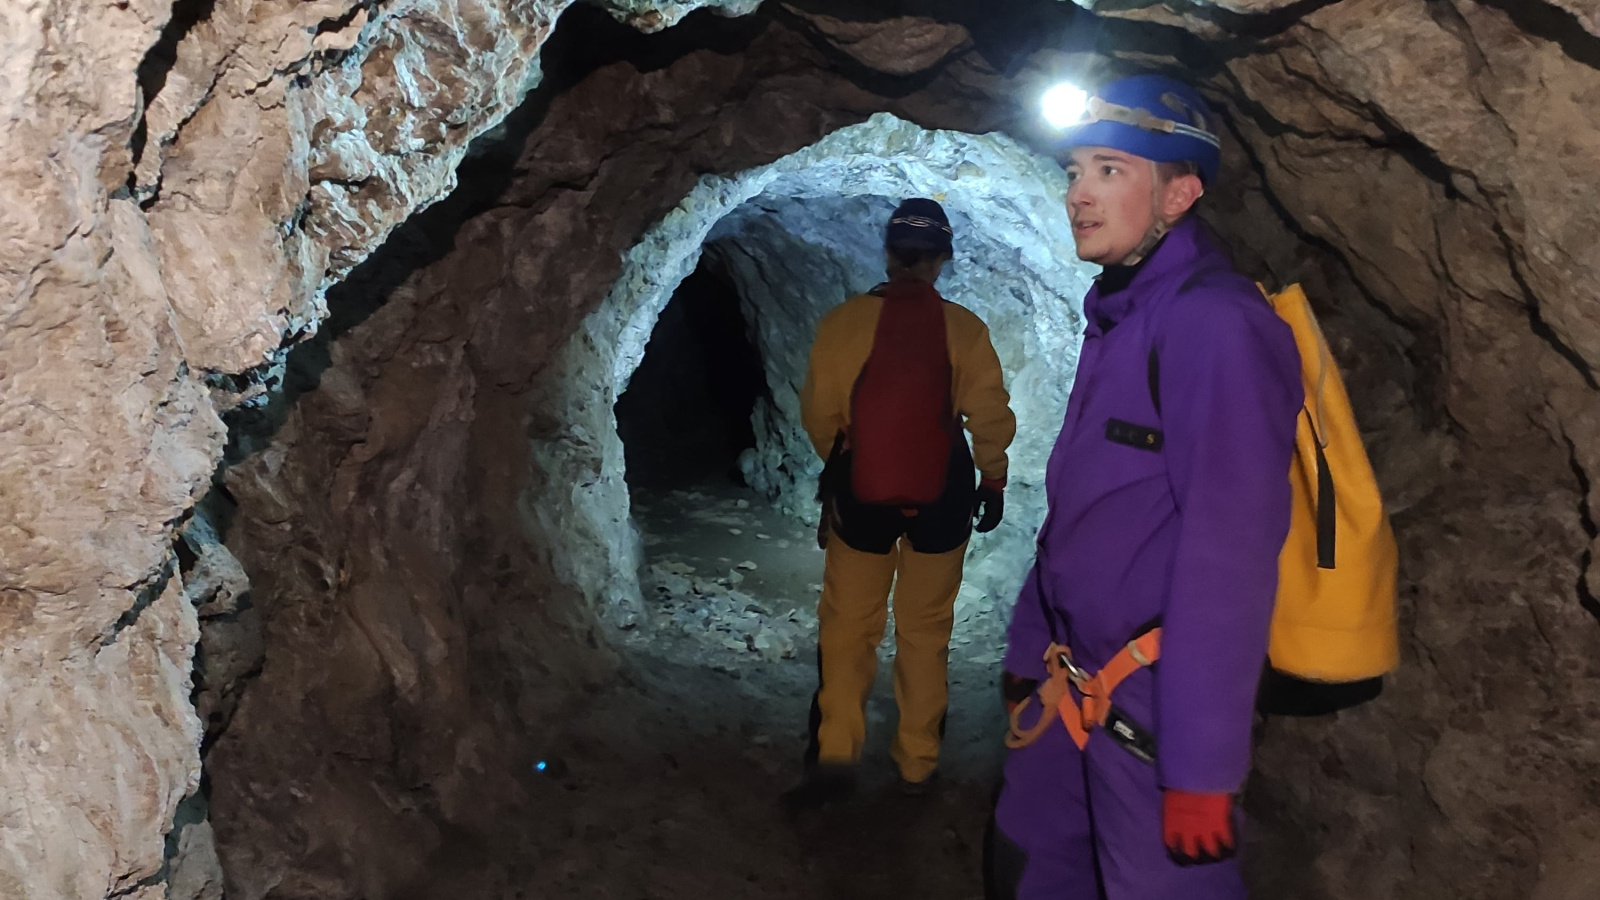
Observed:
{"x":1334,"y":628}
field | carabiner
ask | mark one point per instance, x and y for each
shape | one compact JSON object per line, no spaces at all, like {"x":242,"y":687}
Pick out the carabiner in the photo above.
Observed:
{"x":1063,"y":660}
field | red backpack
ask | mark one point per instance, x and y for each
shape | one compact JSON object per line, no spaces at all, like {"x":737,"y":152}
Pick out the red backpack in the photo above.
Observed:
{"x":902,"y":424}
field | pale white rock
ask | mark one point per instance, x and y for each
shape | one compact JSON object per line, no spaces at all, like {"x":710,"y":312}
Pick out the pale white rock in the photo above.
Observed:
{"x":196,"y":872}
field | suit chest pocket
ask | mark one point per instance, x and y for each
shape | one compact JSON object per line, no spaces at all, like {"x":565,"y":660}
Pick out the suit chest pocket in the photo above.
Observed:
{"x":1136,"y":436}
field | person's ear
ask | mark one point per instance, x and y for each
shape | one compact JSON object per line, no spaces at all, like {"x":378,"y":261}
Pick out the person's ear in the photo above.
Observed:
{"x":1179,"y":195}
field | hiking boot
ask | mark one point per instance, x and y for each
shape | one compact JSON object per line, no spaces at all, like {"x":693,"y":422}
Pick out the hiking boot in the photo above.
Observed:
{"x":821,"y":785}
{"x":919,"y":788}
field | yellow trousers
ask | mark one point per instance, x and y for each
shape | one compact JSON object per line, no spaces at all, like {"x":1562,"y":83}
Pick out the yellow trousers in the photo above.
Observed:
{"x":851,"y":618}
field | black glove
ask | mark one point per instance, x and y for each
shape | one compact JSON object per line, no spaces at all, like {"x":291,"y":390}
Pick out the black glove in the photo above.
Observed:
{"x":988,"y":508}
{"x":827,"y":523}
{"x":1015,"y":689}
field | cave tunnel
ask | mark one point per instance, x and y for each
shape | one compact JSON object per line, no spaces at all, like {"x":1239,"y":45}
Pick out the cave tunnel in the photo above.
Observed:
{"x":729,"y":564}
{"x":718,"y":557}
{"x":399,"y":443}
{"x":687,"y":415}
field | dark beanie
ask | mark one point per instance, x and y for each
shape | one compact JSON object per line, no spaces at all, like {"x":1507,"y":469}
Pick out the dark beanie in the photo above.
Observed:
{"x":919,"y":224}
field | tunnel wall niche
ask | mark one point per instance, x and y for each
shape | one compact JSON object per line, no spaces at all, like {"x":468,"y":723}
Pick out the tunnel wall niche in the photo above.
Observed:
{"x":775,"y":227}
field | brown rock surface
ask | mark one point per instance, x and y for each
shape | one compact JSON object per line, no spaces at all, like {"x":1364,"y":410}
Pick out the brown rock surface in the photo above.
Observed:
{"x":898,"y":46}
{"x":181,"y":183}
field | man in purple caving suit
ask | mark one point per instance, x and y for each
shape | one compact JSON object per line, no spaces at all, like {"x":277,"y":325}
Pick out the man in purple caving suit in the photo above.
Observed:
{"x":1169,"y":502}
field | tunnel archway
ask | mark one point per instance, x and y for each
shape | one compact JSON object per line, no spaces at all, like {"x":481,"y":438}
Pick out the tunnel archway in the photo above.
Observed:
{"x":434,"y":400}
{"x":736,"y":572}
{"x":796,"y":237}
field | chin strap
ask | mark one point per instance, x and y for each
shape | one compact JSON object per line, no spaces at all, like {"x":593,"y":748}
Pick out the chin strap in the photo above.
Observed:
{"x":1151,"y":239}
{"x":1158,"y":228}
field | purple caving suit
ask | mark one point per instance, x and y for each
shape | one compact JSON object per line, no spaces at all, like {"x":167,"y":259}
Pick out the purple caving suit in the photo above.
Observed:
{"x":1189,"y":533}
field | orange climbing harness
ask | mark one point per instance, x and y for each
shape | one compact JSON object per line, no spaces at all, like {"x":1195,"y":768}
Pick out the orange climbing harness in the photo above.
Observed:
{"x":1055,"y":693}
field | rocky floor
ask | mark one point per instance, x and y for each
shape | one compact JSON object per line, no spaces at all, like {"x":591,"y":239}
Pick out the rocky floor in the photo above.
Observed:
{"x":667,"y":786}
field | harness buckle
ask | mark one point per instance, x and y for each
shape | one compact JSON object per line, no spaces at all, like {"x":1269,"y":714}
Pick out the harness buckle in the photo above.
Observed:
{"x":1138,"y":654}
{"x":1095,"y":709}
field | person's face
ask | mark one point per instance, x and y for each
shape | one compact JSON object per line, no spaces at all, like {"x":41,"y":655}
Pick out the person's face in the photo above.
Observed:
{"x":1111,"y":202}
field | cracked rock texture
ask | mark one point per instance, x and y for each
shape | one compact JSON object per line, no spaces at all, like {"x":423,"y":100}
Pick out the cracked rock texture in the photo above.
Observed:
{"x":183,"y":182}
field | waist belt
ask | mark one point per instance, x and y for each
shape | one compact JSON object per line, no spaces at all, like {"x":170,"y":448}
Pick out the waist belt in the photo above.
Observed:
{"x":1096,"y":709}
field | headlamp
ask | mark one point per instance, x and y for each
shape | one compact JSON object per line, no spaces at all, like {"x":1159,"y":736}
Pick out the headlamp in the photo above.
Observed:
{"x":1066,"y":106}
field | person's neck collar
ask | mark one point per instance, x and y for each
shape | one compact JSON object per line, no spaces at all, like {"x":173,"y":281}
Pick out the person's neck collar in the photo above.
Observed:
{"x":1178,"y":243}
{"x":1117,"y":277}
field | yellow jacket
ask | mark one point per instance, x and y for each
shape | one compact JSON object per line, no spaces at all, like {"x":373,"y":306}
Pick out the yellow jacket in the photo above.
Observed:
{"x":844,"y":341}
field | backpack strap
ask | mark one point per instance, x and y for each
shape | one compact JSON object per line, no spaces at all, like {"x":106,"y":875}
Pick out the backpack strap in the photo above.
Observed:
{"x":1327,"y":505}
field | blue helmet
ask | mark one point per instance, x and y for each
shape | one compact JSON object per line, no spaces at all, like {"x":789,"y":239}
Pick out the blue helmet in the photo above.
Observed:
{"x":919,"y":224}
{"x":1154,"y":117}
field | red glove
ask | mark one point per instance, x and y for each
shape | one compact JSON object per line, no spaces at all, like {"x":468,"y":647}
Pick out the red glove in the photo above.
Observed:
{"x":1197,"y":828}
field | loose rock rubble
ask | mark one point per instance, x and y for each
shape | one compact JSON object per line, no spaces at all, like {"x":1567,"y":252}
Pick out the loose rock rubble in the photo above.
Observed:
{"x":714,"y":609}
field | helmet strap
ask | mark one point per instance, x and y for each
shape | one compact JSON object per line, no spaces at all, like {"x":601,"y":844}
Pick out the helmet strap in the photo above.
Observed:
{"x":1151,"y":239}
{"x":1159,"y":226}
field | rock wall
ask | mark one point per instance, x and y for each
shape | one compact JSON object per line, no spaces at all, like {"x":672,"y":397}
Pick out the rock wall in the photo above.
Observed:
{"x":183,"y":181}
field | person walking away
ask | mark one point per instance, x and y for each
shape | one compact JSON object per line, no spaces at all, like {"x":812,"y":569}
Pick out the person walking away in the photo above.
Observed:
{"x":897,"y":377}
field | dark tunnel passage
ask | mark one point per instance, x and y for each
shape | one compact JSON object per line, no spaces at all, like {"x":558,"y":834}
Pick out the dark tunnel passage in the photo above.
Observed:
{"x":716,"y":549}
{"x":686,"y":415}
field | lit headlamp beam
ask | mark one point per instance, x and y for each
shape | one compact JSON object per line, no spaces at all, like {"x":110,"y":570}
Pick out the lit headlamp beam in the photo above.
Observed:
{"x":1065,"y":105}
